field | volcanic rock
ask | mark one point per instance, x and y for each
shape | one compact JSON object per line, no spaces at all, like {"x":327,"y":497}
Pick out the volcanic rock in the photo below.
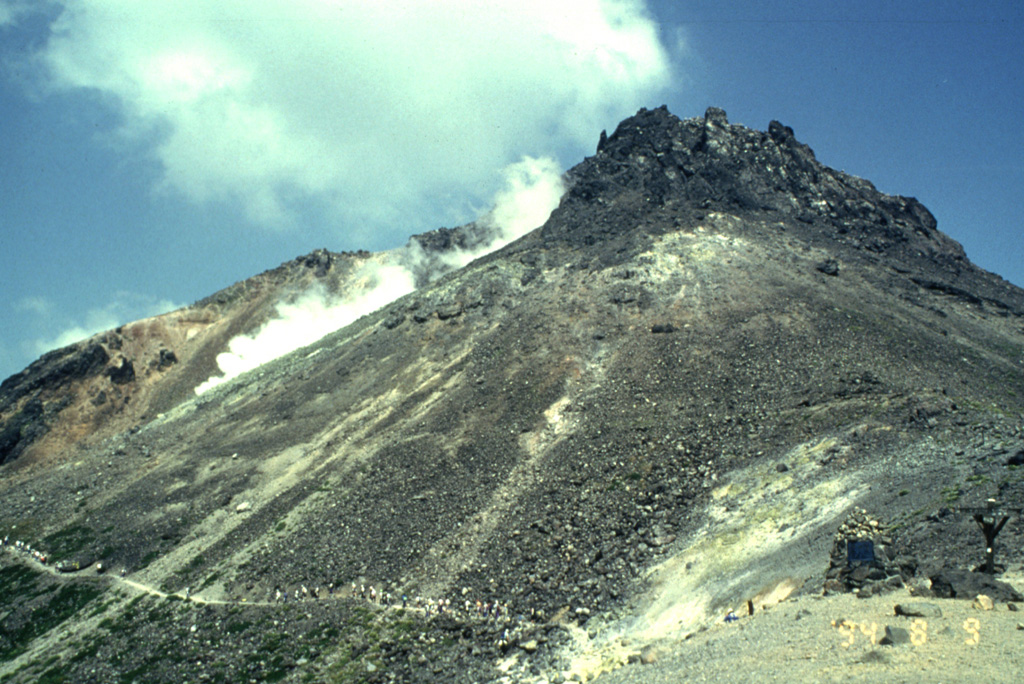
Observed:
{"x":964,"y":584}
{"x":515,"y":432}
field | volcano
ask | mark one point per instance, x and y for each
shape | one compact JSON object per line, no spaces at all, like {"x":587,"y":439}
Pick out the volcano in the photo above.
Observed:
{"x":654,"y":409}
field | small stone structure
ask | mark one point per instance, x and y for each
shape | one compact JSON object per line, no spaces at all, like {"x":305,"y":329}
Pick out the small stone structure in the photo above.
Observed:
{"x":852,"y":566}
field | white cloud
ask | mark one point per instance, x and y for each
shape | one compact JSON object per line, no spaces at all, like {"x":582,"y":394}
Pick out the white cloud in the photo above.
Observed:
{"x":372,"y":107}
{"x":125,"y":308}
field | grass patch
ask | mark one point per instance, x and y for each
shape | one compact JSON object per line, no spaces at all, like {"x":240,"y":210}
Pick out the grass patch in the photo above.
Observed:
{"x":66,"y":601}
{"x":15,"y":581}
{"x":55,"y":675}
{"x":148,"y":558}
{"x":236,"y":626}
{"x":210,"y":580}
{"x":69,"y":541}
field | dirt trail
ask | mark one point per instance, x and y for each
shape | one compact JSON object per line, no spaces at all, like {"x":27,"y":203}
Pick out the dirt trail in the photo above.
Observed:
{"x":90,"y":573}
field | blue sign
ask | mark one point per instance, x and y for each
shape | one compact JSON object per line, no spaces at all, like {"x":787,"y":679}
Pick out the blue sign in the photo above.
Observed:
{"x":860,"y":551}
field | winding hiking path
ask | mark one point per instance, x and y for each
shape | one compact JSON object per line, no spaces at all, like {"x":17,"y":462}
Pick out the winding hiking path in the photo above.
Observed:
{"x":89,"y":573}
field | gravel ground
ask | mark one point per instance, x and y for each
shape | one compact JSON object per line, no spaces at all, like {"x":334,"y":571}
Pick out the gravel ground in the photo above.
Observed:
{"x":797,"y":641}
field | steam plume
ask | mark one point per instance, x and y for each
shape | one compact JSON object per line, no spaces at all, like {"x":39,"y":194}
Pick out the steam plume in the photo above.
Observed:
{"x":532,"y":190}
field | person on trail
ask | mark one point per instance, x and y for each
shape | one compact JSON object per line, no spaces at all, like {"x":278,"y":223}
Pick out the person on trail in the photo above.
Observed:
{"x":405,"y":601}
{"x":188,"y":592}
{"x":124,"y":572}
{"x":330,"y":589}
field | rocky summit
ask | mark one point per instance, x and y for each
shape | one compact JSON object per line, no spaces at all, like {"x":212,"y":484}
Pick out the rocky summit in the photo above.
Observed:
{"x":717,"y":363}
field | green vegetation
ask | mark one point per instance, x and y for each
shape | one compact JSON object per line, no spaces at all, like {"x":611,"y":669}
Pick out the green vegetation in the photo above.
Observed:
{"x":65,"y":602}
{"x":148,"y":558}
{"x":376,"y":634}
{"x":55,"y":675}
{"x":69,"y":541}
{"x":236,"y":626}
{"x":15,"y":581}
{"x":86,"y":652}
{"x":951,"y":494}
{"x":210,"y":580}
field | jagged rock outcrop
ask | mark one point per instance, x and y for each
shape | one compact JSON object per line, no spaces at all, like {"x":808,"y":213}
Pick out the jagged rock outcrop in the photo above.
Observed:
{"x":690,"y":167}
{"x":29,"y":399}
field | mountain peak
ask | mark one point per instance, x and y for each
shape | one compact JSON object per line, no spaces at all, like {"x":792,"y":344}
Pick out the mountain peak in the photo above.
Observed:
{"x":654,"y":160}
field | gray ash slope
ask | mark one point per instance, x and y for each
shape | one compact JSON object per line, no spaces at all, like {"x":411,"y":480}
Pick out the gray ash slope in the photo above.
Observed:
{"x":659,"y":404}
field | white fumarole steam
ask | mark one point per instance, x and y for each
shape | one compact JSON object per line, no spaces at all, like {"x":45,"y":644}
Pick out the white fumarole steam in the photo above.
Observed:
{"x":532,"y":191}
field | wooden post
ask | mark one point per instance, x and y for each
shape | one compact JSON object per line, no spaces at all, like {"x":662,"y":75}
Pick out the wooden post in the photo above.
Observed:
{"x":990,"y":528}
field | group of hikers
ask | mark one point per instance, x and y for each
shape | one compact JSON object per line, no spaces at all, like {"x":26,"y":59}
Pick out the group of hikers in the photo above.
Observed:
{"x":440,"y":606}
{"x":495,"y":610}
{"x":24,"y":547}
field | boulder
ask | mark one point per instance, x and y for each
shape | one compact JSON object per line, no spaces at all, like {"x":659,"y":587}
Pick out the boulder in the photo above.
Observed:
{"x":922,"y":610}
{"x":956,"y":583}
{"x":167,"y":359}
{"x":829,"y":267}
{"x":894,"y":636}
{"x":982,"y":602}
{"x":121,"y":374}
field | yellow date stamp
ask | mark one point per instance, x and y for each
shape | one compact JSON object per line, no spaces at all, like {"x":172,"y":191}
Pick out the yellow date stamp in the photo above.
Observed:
{"x":918,"y":631}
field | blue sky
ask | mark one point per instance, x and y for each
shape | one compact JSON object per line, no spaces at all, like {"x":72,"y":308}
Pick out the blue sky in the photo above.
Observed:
{"x":155,"y":152}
